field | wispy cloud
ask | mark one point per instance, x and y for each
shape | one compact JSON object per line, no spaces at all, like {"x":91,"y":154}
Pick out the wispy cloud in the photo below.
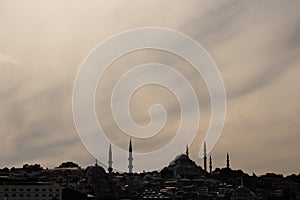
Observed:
{"x":255,"y":44}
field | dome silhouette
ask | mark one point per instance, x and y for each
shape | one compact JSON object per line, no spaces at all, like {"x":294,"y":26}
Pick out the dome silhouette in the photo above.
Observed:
{"x":96,"y":171}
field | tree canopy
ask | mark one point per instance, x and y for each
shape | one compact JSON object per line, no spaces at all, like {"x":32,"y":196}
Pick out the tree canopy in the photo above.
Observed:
{"x":68,"y":165}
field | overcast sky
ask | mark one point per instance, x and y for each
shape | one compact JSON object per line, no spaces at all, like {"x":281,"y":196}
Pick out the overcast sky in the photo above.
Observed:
{"x":255,"y":44}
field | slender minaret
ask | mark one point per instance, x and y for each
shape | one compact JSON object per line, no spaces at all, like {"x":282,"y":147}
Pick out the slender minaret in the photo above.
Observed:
{"x":187,"y":150}
{"x":210,"y":165}
{"x":204,"y":157}
{"x":130,"y":166}
{"x":227,"y":161}
{"x":110,"y":162}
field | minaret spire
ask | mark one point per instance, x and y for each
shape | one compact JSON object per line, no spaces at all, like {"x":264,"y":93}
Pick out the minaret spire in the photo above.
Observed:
{"x":110,"y":162}
{"x":204,"y":157}
{"x":210,"y":165}
{"x":227,"y":161}
{"x":130,"y":166}
{"x":187,"y":150}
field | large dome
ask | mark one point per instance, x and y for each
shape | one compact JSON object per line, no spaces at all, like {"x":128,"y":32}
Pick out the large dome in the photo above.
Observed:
{"x":181,"y":157}
{"x":96,"y":171}
{"x":182,"y":166}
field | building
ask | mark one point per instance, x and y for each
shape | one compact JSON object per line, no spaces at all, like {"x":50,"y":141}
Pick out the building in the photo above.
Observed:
{"x":183,"y":167}
{"x":30,"y":191}
{"x":98,"y":182}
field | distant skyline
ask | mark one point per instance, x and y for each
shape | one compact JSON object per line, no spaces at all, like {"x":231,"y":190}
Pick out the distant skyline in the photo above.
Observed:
{"x":255,"y":44}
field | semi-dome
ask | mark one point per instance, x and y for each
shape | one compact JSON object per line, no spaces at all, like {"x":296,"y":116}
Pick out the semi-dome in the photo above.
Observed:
{"x":242,"y":189}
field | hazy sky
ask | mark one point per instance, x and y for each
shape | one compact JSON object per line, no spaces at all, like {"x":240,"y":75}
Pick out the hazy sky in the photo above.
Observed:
{"x":256,"y":45}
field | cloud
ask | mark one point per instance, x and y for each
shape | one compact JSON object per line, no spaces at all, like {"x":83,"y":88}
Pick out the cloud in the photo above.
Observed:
{"x":7,"y":60}
{"x":255,"y":44}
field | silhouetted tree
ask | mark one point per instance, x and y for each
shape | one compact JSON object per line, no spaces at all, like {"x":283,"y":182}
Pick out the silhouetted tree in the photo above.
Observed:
{"x":32,"y":168}
{"x":68,"y":165}
{"x":5,"y":169}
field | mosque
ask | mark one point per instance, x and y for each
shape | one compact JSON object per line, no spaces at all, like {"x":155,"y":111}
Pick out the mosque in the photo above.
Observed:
{"x":181,"y":167}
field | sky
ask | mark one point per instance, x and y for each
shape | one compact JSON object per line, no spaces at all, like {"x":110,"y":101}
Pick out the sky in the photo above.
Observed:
{"x":255,"y":44}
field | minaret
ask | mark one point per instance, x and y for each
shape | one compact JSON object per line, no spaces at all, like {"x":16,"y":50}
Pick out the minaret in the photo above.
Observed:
{"x":110,"y":162}
{"x":130,"y":166}
{"x":187,"y":150}
{"x":227,"y":161}
{"x":210,"y":165}
{"x":204,"y":157}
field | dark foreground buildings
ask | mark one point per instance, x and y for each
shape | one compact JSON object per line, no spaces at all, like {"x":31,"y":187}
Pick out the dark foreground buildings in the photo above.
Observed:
{"x":181,"y":179}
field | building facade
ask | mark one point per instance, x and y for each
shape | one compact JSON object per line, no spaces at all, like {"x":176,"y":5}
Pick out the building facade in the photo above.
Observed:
{"x":30,"y":191}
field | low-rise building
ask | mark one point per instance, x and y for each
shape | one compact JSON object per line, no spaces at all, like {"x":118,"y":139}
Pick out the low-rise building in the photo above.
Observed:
{"x":30,"y":191}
